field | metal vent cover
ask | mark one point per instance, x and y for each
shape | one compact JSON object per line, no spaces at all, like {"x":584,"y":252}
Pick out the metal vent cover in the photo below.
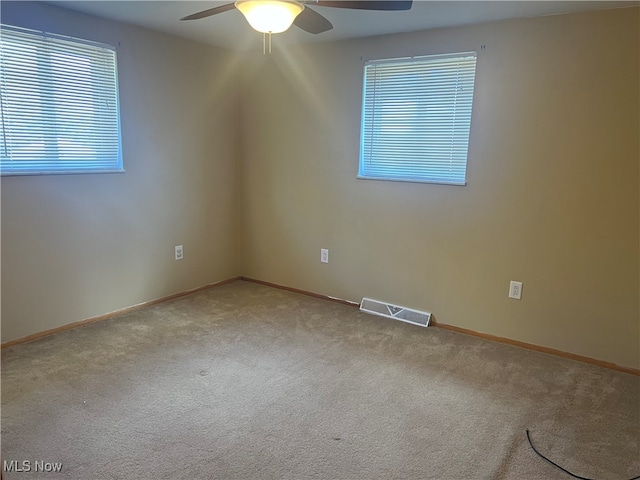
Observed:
{"x":396,"y":312}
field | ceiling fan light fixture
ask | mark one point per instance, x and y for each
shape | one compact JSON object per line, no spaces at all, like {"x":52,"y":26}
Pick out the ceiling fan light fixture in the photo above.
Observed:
{"x":270,"y":16}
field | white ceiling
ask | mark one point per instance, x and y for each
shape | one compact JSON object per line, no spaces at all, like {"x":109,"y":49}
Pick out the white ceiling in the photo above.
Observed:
{"x":230,"y":29}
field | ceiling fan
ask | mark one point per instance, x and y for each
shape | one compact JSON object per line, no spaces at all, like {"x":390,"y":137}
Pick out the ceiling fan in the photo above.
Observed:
{"x":276,"y":16}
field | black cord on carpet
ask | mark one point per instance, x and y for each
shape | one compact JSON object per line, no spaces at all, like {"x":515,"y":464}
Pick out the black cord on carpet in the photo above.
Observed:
{"x":558,"y":466}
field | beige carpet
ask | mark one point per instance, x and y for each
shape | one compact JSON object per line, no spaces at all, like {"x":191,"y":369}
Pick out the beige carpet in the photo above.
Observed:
{"x":245,"y":381}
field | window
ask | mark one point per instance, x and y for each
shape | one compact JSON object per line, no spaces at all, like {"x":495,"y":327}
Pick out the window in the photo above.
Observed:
{"x":58,"y":105}
{"x":416,"y":116}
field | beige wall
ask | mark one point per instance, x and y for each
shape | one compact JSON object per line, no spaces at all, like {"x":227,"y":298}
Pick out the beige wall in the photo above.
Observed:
{"x":76,"y":246}
{"x":552,"y":194}
{"x":552,"y":198}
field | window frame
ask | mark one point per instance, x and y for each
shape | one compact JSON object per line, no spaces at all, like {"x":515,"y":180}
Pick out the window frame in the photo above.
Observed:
{"x":372,"y":120}
{"x":56,"y":93}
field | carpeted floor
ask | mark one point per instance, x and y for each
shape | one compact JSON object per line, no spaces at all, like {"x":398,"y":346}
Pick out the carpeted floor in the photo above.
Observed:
{"x":245,"y":381}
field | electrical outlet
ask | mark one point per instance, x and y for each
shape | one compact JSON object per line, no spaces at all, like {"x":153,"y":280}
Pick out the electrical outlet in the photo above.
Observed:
{"x":515,"y":290}
{"x":179,"y":252}
{"x":324,"y":255}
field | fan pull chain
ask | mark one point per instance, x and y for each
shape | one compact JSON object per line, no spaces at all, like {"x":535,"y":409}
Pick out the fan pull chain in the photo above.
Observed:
{"x":264,"y":44}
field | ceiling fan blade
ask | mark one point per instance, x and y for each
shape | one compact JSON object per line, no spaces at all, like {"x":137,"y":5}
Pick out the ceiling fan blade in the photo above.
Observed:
{"x":388,"y":5}
{"x":312,"y":22}
{"x":211,"y":11}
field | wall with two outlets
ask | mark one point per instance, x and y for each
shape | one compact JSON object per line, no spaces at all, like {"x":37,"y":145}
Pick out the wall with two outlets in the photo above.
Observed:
{"x":553,"y":184}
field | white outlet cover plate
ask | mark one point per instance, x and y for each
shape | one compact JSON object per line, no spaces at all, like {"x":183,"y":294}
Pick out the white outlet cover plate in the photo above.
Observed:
{"x":515,"y":290}
{"x":179,"y":252}
{"x":324,"y":255}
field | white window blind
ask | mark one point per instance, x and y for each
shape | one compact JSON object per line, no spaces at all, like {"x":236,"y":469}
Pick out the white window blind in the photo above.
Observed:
{"x":416,"y":118}
{"x":58,"y":104}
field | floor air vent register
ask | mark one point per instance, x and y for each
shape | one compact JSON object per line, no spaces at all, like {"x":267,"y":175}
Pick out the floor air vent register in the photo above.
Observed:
{"x":396,"y":312}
